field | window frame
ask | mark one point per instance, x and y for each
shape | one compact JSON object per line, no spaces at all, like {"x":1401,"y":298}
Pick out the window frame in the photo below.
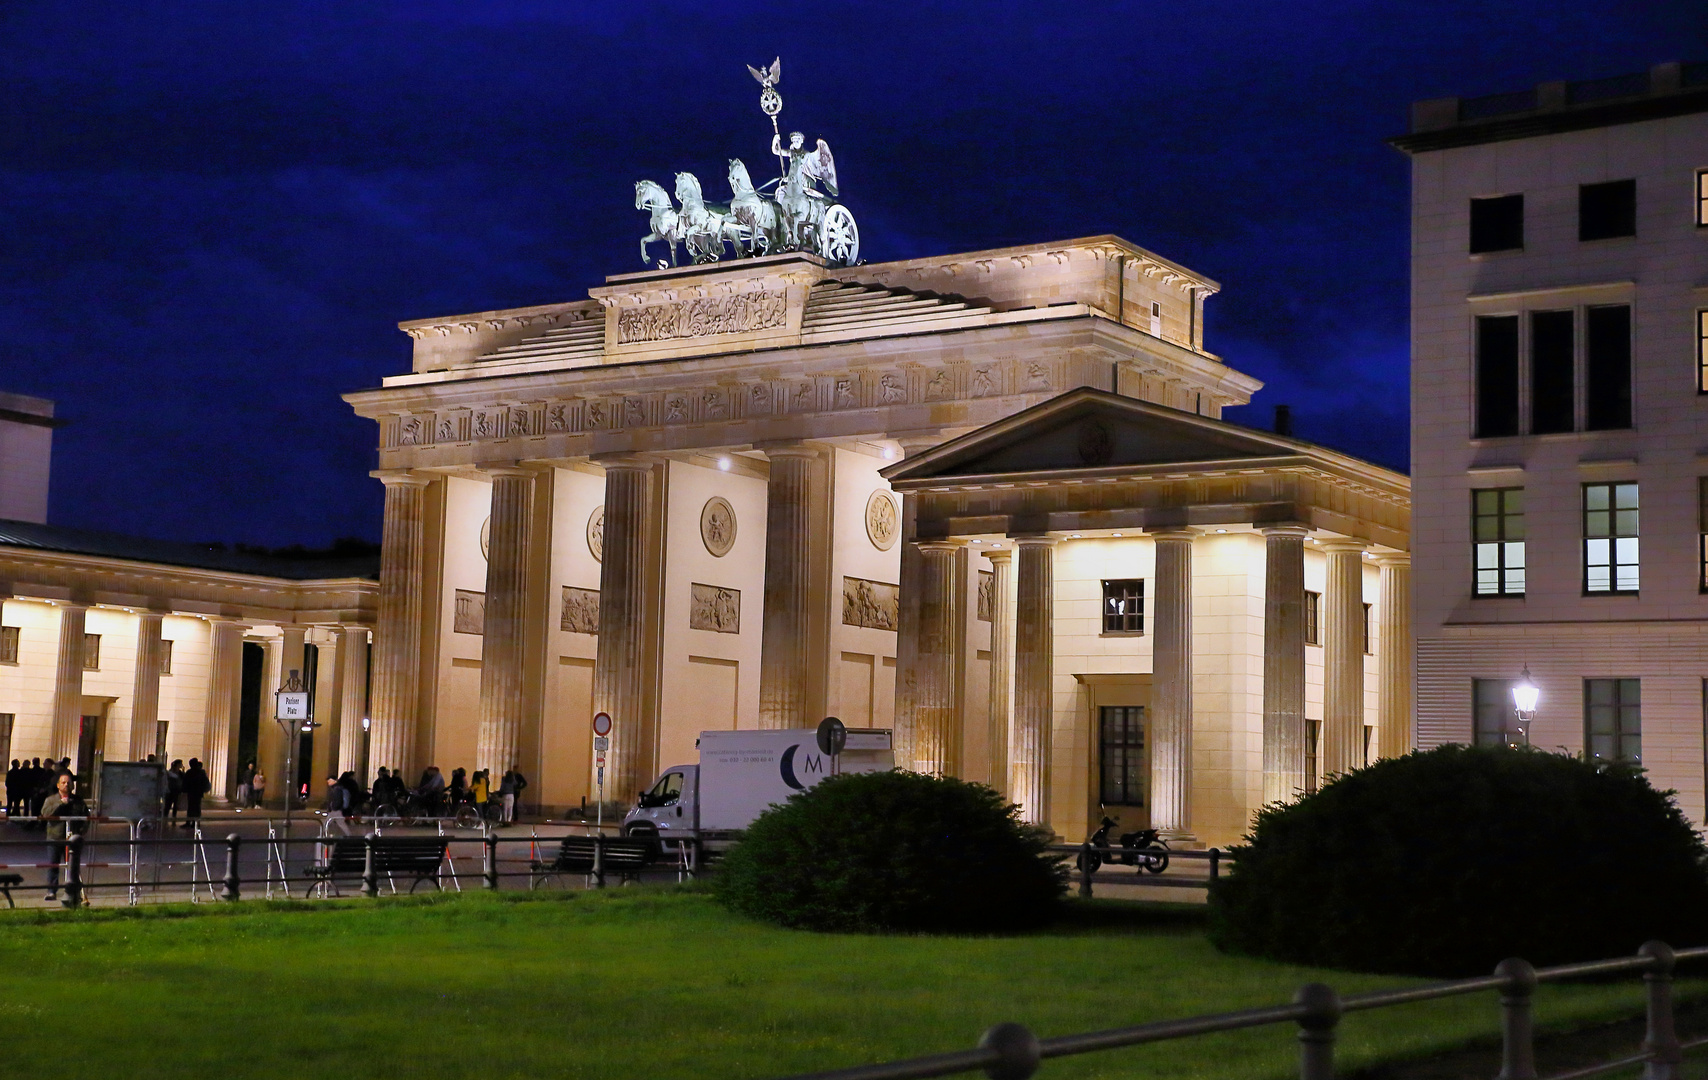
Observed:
{"x":1368,"y":642}
{"x":1607,"y":186}
{"x":1504,"y":735}
{"x":1132,"y":750}
{"x":1488,"y":410}
{"x":1702,"y":535}
{"x":1313,"y":618}
{"x":1701,"y":199}
{"x":1471,"y":247}
{"x":165,"y":656}
{"x":1139,"y":616}
{"x":1501,"y":543}
{"x":11,"y":644}
{"x":1621,"y":708}
{"x":1612,"y":537}
{"x":1702,"y":350}
{"x":91,"y":652}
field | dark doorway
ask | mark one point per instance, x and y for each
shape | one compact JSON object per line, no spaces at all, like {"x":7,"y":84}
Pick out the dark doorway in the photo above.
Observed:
{"x":249,"y":710}
{"x":305,"y":739}
{"x":88,"y":740}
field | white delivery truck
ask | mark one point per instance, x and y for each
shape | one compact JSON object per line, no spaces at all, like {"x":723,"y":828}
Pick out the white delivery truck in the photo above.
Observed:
{"x":740,"y":775}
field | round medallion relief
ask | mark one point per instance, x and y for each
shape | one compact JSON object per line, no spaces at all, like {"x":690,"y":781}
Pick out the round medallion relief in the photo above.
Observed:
{"x":717,"y":525}
{"x":596,"y":533}
{"x":882,"y":521}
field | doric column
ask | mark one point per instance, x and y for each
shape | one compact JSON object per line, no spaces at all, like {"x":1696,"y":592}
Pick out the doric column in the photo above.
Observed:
{"x":68,"y":682}
{"x":1283,"y":663}
{"x":620,"y":665}
{"x":1029,"y":739}
{"x":352,"y":689}
{"x":1394,"y":736}
{"x":1001,"y":668}
{"x":1343,"y":659}
{"x":145,"y":687}
{"x":1171,"y":686}
{"x":397,"y":637}
{"x":501,"y":648}
{"x":937,"y":735}
{"x":783,"y":688}
{"x":907,"y":618}
{"x":280,"y":745}
{"x":225,"y":684}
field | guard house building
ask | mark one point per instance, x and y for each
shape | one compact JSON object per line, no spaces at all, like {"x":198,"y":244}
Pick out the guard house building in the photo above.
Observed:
{"x":985,"y":499}
{"x":1560,"y":417}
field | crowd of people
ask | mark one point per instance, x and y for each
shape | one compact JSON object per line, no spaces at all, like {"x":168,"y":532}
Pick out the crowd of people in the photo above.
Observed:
{"x":29,"y":782}
{"x":433,"y":796}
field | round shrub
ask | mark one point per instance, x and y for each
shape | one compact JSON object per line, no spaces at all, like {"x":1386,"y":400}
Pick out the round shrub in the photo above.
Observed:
{"x":1448,"y":861}
{"x":894,"y":851}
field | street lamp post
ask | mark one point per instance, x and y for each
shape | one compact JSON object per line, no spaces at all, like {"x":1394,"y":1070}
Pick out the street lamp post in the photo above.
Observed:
{"x":1525,"y":693}
{"x":292,"y":714}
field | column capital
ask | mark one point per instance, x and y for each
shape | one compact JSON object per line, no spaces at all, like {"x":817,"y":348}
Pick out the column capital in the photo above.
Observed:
{"x":1288,"y":528}
{"x":937,"y":545}
{"x":1174,"y":533}
{"x":506,"y":468}
{"x":401,"y":478}
{"x":1392,"y":558}
{"x":1342,"y":544}
{"x":999,"y":554}
{"x":1034,"y":540}
{"x":918,"y":442}
{"x":780,"y":448}
{"x":622,"y":461}
{"x":70,"y":605}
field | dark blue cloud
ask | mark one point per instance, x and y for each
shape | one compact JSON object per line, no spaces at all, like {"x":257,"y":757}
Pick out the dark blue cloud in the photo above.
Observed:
{"x":212,"y":214}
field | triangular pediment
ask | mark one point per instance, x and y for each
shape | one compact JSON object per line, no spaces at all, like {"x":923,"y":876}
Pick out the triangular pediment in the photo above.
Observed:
{"x":1093,"y":429}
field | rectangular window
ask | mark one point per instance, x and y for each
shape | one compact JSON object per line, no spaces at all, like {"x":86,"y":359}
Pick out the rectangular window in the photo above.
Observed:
{"x":9,"y":644}
{"x":1702,"y":533}
{"x":1607,"y":367}
{"x":1702,"y":352}
{"x":1613,"y":719}
{"x":1497,"y":224}
{"x":1702,"y":196}
{"x":1313,"y":624}
{"x":1497,"y":376}
{"x":1493,"y":720}
{"x":91,"y":652}
{"x":1610,"y":538}
{"x":1553,"y":407}
{"x":166,"y":656}
{"x":1607,"y":210}
{"x":1367,"y":650}
{"x":1497,"y":541}
{"x":160,"y":739}
{"x":6,"y":720}
{"x":1122,"y":741}
{"x":1124,"y":606}
{"x":1313,"y":732}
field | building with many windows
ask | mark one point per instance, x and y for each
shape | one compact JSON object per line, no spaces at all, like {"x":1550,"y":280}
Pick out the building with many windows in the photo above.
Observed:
{"x":1560,"y":417}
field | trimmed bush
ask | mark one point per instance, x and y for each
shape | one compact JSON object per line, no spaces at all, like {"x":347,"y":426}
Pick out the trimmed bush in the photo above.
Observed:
{"x":1447,"y":862}
{"x":894,"y":851}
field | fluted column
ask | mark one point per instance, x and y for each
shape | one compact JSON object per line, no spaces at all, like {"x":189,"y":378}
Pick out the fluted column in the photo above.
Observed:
{"x":352,"y":687}
{"x":783,"y":691}
{"x":907,"y":618}
{"x":397,"y":637}
{"x":619,"y":666}
{"x":68,"y":682}
{"x":1001,"y":668}
{"x":145,"y":686}
{"x":937,"y":737}
{"x":1343,"y":659}
{"x":1395,"y":651}
{"x":501,"y":679}
{"x":279,"y":746}
{"x":1171,"y":686}
{"x":1284,"y":731}
{"x":225,"y":684}
{"x":1029,"y":739}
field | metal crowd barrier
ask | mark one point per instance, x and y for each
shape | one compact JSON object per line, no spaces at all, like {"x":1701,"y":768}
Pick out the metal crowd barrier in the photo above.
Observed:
{"x":1012,"y":1052}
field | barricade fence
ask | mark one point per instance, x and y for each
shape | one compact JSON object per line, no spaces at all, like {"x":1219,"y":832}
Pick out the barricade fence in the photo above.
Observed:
{"x":374,"y":861}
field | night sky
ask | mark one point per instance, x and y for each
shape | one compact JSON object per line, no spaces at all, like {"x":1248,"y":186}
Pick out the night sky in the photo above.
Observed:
{"x":213,"y":214}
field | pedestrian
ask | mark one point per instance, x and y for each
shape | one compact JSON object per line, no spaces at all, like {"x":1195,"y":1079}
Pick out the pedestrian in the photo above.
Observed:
{"x":459,"y":790}
{"x":480,"y":790}
{"x":257,"y":788}
{"x":57,"y":809}
{"x":196,"y":784}
{"x":510,"y":789}
{"x":244,"y":776}
{"x":174,"y":789}
{"x":337,"y":806}
{"x":41,"y":786}
{"x":14,"y":783}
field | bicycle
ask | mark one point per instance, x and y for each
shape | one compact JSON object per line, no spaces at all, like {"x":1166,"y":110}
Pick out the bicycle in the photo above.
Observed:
{"x":471,"y":815}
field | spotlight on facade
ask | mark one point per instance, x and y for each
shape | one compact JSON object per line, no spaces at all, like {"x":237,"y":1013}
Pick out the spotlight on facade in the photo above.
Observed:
{"x":723,"y":463}
{"x":365,"y":723}
{"x":1525,"y":694}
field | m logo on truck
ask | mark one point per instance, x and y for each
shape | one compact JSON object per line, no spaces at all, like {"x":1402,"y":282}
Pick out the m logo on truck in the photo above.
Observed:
{"x":812,"y":763}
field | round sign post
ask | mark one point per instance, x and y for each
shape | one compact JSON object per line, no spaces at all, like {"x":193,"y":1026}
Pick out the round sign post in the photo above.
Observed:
{"x":601,"y":743}
{"x":832,"y":737}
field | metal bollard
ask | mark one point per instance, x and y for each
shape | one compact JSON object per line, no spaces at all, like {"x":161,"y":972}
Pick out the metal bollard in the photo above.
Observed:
{"x":1517,"y":1027}
{"x":599,"y":860}
{"x":489,"y":860}
{"x":370,"y":880}
{"x":1215,"y":863}
{"x":233,"y":881}
{"x":73,"y":871}
{"x":1019,"y":1050}
{"x":1316,"y":1030}
{"x":1660,"y":1041}
{"x":1085,"y":871}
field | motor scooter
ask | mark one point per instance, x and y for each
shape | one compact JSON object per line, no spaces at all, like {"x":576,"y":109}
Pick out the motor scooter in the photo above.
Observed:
{"x":1142,"y":848}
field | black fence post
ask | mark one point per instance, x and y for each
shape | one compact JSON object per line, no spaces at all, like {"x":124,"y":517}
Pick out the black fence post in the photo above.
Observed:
{"x":370,"y":881}
{"x":489,"y":859}
{"x":233,"y":880}
{"x":1215,"y":863}
{"x":599,"y":860}
{"x":1517,"y":1029}
{"x":1317,"y":1030}
{"x":1018,"y":1048}
{"x":1660,"y":1041}
{"x":1085,"y":871}
{"x":73,"y":870}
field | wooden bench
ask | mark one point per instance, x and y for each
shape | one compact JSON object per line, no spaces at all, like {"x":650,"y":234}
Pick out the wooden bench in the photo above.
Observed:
{"x":623,"y":856}
{"x":417,"y":856}
{"x":8,"y":882}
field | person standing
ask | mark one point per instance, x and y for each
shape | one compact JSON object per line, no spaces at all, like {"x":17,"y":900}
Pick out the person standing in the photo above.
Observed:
{"x":244,"y":776}
{"x":59,"y":811}
{"x":14,"y":780}
{"x":196,"y":785}
{"x":510,"y":788}
{"x":174,"y":789}
{"x":257,"y":788}
{"x":337,"y":806}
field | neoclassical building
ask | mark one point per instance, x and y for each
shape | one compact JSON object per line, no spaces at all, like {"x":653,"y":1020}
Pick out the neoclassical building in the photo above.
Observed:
{"x":738,"y":495}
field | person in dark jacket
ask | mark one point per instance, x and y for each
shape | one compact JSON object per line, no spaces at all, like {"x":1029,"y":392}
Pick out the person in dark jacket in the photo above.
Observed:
{"x":196,"y":784}
{"x":174,"y":789}
{"x":14,"y":781}
{"x":59,"y":806}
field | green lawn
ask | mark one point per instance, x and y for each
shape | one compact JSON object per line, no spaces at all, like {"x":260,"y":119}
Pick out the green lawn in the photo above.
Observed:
{"x":655,"y":983}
